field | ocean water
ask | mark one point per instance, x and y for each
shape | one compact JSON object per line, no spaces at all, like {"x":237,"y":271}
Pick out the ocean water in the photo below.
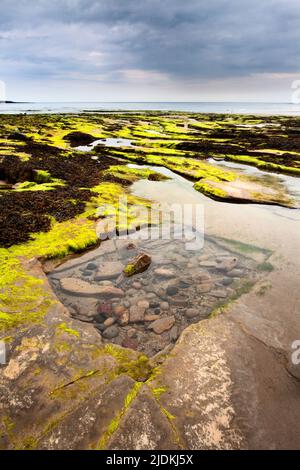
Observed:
{"x":197,"y":107}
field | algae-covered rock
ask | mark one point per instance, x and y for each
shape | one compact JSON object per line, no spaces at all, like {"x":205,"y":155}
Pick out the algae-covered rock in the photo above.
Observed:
{"x":137,"y":265}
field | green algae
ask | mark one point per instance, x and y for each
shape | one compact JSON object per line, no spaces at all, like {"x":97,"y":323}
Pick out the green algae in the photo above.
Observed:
{"x":135,"y":366}
{"x":66,"y":329}
{"x":265,"y":267}
{"x":130,"y":175}
{"x":115,"y":422}
{"x":23,"y":299}
{"x":209,"y":190}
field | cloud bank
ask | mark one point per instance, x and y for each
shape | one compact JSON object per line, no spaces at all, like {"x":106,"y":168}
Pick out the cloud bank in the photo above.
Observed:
{"x":173,"y":49}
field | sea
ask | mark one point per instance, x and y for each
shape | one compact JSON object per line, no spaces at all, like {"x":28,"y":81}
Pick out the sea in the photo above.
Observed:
{"x":283,"y":109}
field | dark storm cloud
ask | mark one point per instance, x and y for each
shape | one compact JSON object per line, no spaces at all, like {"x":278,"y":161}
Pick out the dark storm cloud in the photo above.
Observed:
{"x":181,"y":39}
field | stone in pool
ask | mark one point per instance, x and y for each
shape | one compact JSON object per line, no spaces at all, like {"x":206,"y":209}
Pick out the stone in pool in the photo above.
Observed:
{"x":78,"y":287}
{"x":162,"y":325}
{"x":91,"y":266}
{"x":164,"y":272}
{"x":137,"y":312}
{"x":227,"y":264}
{"x":191,"y":312}
{"x":137,"y":265}
{"x":111,"y":332}
{"x":172,"y":290}
{"x":109,"y":270}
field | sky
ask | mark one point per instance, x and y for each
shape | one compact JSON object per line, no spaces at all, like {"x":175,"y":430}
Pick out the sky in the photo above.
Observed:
{"x":149,"y":50}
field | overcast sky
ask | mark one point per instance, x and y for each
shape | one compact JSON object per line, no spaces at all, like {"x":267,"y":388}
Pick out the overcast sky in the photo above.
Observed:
{"x":149,"y":50}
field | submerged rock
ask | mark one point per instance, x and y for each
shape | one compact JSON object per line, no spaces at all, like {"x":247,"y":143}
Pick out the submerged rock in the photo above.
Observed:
{"x":162,"y":325}
{"x":75,"y":286}
{"x":109,"y":322}
{"x":105,"y":308}
{"x":123,"y":319}
{"x":137,"y":313}
{"x":192,"y":312}
{"x":130,"y":343}
{"x":220,"y":294}
{"x":137,"y":265}
{"x":171,"y":290}
{"x":166,"y":273}
{"x":227,"y":264}
{"x":109,"y":270}
{"x":111,"y":332}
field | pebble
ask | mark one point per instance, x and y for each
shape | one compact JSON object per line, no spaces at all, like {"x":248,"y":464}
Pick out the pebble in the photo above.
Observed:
{"x":204,"y":288}
{"x":166,"y":273}
{"x":119,"y":310}
{"x":149,"y":318}
{"x":191,"y":312}
{"x":105,"y":283}
{"x":162,"y":325}
{"x":137,"y":285}
{"x":236,"y":273}
{"x":87,"y":273}
{"x":143,"y":304}
{"x":130,"y":343}
{"x":126,"y":304}
{"x":132,"y":333}
{"x":136,"y":314}
{"x":220,"y":294}
{"x":109,"y":322}
{"x":131,"y":292}
{"x":154,"y":304}
{"x":160,"y":292}
{"x":182,"y":302}
{"x":111,"y":332}
{"x":105,"y":308}
{"x":227,"y":264}
{"x":227,"y":281}
{"x":91,"y":266}
{"x":100,"y":326}
{"x":174,"y":333}
{"x":150,"y":295}
{"x":208,"y":264}
{"x":164,"y":306}
{"x":123,"y":320}
{"x":171,"y":290}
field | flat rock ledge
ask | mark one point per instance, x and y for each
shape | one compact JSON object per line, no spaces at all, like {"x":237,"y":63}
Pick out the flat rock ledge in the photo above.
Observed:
{"x":227,"y":384}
